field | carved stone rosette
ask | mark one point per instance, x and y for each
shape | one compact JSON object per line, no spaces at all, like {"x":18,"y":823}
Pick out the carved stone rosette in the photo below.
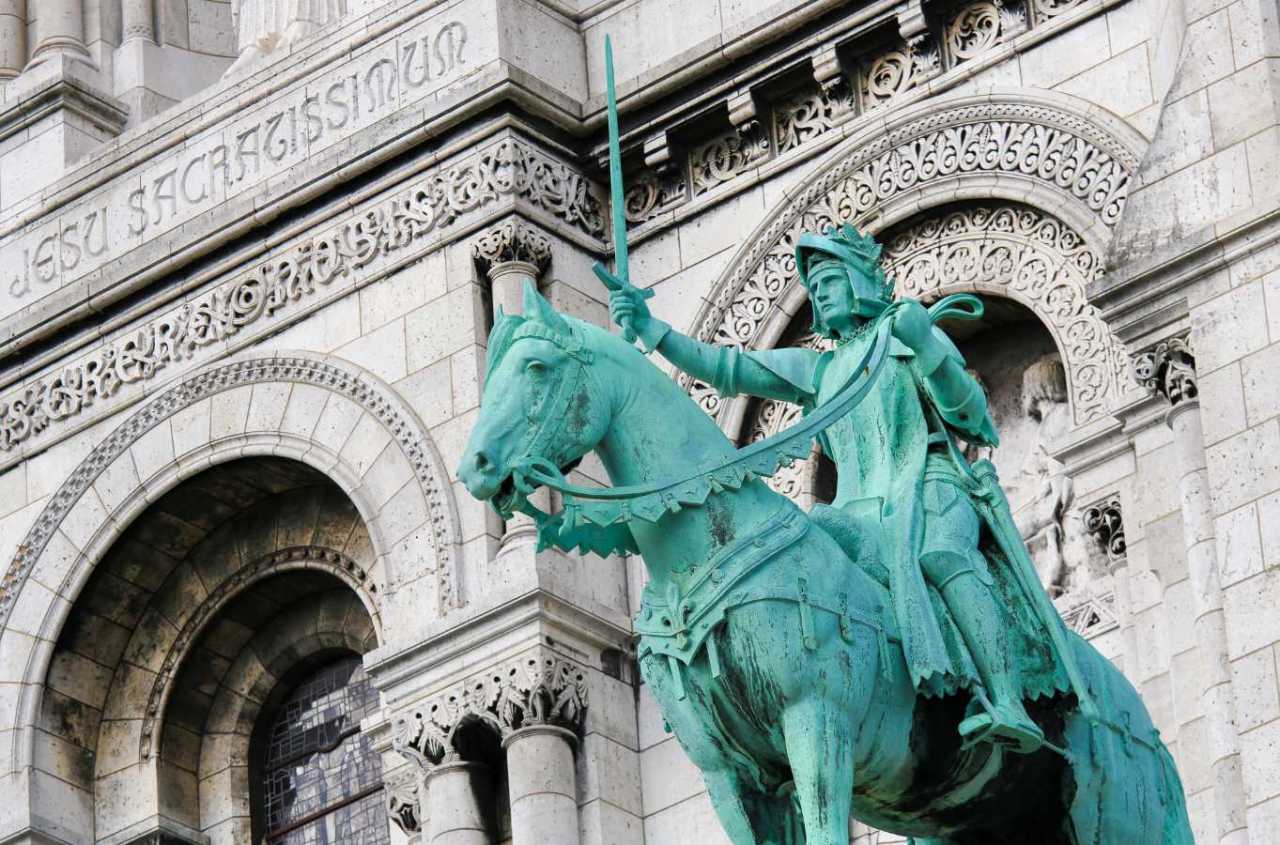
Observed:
{"x":509,"y":241}
{"x":1104,"y":522}
{"x":1169,"y":369}
{"x":536,"y":689}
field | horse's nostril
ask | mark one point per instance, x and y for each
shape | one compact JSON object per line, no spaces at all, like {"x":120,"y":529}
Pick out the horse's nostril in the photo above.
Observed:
{"x":482,"y":462}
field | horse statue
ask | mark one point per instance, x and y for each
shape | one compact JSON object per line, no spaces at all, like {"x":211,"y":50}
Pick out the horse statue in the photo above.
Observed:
{"x":772,"y":652}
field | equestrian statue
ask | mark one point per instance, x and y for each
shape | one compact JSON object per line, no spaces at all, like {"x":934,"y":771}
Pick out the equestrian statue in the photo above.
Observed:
{"x":891,"y":656}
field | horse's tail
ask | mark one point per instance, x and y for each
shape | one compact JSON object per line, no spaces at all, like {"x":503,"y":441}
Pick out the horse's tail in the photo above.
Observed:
{"x":1177,"y":825}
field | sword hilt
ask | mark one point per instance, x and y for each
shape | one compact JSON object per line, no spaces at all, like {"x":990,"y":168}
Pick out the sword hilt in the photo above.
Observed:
{"x":613,"y":283}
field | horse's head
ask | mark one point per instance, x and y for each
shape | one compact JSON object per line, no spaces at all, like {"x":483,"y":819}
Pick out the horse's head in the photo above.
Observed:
{"x":541,"y":403}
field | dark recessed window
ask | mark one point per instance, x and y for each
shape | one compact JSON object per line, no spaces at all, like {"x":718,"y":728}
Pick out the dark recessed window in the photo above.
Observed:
{"x":322,"y":780}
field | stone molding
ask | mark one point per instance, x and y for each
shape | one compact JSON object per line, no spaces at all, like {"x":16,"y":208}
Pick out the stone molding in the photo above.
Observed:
{"x":1104,"y":521}
{"x":310,"y":557}
{"x":1169,"y":369}
{"x":336,"y":257}
{"x":1059,"y":152}
{"x":538,"y":688}
{"x":511,"y":240}
{"x":915,"y":64}
{"x":373,"y":397}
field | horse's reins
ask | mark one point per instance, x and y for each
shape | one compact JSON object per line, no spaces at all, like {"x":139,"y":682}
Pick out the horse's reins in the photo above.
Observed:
{"x":760,"y":459}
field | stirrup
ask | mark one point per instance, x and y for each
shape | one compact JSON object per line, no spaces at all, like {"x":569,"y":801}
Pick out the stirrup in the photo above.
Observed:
{"x":1018,"y":737}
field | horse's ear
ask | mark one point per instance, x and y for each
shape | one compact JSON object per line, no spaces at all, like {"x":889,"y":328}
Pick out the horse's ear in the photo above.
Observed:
{"x":537,"y":308}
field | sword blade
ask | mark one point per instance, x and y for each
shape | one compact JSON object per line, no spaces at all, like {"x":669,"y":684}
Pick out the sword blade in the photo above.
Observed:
{"x":617,"y":208}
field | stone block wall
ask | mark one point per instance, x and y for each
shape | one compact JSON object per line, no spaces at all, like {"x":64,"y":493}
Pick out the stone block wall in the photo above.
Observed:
{"x":330,"y":306}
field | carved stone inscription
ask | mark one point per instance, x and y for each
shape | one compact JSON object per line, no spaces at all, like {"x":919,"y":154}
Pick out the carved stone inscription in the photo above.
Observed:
{"x":227,"y":160}
{"x":342,"y":255}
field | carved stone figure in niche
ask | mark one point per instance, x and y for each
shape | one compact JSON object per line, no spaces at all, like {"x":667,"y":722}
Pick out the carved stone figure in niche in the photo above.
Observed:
{"x":267,"y":28}
{"x":1042,"y":481}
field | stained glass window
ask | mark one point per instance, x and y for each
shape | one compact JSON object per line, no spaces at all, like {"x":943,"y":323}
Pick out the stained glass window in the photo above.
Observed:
{"x":322,"y":780}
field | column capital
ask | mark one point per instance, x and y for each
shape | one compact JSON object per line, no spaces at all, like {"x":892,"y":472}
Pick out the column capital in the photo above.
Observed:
{"x":537,"y":689}
{"x":511,"y":241}
{"x":1169,"y":369}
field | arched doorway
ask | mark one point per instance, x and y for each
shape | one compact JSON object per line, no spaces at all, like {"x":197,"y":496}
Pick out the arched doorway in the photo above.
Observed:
{"x":205,"y":618}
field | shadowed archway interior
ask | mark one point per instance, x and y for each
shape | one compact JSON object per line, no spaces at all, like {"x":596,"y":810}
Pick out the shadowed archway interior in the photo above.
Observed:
{"x":225,"y":594}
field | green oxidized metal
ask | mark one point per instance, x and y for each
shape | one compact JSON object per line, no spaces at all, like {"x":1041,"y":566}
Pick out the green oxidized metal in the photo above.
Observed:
{"x":890,"y":656}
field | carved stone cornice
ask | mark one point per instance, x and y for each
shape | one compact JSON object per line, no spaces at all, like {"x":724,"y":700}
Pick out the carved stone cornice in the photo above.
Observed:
{"x":1169,"y":369}
{"x":509,"y":241}
{"x":539,"y":688}
{"x":1104,"y":522}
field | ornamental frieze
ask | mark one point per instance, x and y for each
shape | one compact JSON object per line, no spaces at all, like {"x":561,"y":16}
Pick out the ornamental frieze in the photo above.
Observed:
{"x":539,"y":688}
{"x":342,"y":256}
{"x":1066,"y":154}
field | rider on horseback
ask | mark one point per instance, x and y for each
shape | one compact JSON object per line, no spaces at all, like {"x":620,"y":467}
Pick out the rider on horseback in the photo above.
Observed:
{"x":898,"y":478}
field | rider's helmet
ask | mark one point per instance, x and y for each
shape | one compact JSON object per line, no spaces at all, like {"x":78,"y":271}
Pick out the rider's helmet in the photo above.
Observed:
{"x":860,"y":256}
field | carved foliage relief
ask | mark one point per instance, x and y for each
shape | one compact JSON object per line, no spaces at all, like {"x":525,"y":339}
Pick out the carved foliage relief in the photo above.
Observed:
{"x":536,"y":689}
{"x":1061,"y":151}
{"x":1028,"y":256}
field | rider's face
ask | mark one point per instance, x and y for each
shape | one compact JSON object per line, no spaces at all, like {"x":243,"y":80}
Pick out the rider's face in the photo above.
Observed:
{"x":832,"y":296}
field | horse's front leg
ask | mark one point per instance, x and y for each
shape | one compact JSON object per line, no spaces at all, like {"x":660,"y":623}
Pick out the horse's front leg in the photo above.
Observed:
{"x":748,"y":817}
{"x":819,"y":741}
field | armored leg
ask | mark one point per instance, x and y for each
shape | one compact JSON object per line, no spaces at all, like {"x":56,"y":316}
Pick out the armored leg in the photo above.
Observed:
{"x":955,"y":567}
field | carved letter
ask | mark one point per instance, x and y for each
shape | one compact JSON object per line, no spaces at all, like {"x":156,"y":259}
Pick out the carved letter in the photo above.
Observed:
{"x":46,"y":271}
{"x":246,"y":150}
{"x":218,"y":163}
{"x":138,"y":226}
{"x":311,"y":112}
{"x":186,"y":181}
{"x":164,"y":192}
{"x":421,"y":78}
{"x":90,"y":222}
{"x":336,"y":97}
{"x":449,"y":43}
{"x":379,"y":89}
{"x":71,"y":251}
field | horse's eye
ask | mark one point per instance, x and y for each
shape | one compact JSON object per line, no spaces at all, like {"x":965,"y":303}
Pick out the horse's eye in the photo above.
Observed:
{"x":535,"y":368}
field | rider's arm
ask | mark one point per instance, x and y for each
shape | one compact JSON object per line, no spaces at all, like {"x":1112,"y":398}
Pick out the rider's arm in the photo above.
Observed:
{"x":726,"y":369}
{"x":956,"y":394}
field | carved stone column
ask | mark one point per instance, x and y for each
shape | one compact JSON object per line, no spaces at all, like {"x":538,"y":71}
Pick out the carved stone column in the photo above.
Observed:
{"x":60,"y":30}
{"x":13,"y":38}
{"x":138,"y":20}
{"x":457,"y":793}
{"x":543,"y":784}
{"x":1169,"y":370}
{"x":536,"y":703}
{"x":506,"y":255}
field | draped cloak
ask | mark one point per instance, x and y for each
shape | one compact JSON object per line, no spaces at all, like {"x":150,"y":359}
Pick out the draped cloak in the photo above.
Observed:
{"x":880,"y":449}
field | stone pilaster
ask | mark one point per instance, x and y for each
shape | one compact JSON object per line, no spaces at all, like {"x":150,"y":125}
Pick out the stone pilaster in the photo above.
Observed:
{"x":1169,"y":370}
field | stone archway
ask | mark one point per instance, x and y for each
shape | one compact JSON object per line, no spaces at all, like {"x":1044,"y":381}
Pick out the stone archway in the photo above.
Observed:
{"x":1039,"y":150}
{"x":319,"y":411}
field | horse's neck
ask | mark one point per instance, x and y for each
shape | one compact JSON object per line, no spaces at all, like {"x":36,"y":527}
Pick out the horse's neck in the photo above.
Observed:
{"x":659,"y":433}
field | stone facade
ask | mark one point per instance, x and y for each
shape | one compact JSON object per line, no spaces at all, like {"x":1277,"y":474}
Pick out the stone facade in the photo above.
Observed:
{"x":251,"y":250}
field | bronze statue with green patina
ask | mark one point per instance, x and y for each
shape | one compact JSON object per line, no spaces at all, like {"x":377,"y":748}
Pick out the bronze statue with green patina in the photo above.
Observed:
{"x":897,"y":478}
{"x":889,"y":656}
